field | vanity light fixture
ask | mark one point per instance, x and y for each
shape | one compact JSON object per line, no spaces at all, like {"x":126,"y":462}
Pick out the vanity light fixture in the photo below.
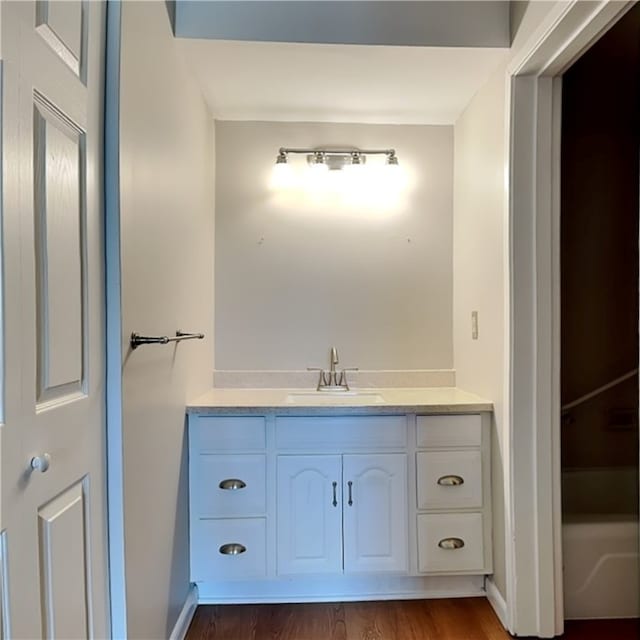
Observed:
{"x":324,"y":158}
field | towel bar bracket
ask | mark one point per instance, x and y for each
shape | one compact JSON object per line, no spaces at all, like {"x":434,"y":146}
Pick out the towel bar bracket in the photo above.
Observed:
{"x":136,"y":339}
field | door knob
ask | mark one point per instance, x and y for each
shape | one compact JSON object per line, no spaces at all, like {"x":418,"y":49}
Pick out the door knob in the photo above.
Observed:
{"x":41,"y":463}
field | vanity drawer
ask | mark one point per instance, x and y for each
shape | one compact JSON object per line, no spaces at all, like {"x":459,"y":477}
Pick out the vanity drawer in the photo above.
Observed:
{"x":225,"y":433}
{"x":341,"y":433}
{"x":212,"y":538}
{"x":450,"y":542}
{"x":449,"y":431}
{"x":231,"y":485}
{"x":449,"y":479}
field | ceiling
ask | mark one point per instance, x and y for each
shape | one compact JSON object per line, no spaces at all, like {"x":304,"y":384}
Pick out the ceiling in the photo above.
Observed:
{"x":338,"y":83}
{"x":435,"y":23}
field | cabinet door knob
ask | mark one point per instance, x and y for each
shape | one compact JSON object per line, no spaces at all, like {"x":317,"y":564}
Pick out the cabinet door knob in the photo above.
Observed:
{"x":350,"y":485}
{"x":232,"y":549}
{"x":41,"y":463}
{"x":450,"y":481}
{"x":451,"y":543}
{"x":335,"y":495}
{"x":232,"y":484}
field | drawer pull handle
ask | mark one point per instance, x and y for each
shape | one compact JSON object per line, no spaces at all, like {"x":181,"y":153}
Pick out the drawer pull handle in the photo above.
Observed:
{"x":335,"y":496}
{"x":232,"y":484}
{"x":450,"y":481}
{"x":232,"y":549}
{"x":451,"y":543}
{"x":350,"y":485}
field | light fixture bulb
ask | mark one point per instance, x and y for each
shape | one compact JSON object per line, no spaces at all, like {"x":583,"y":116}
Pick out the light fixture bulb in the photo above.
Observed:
{"x":281,"y":175}
{"x":318,"y":161}
{"x":395,"y":176}
{"x":355,"y":168}
{"x":318,"y":165}
{"x":317,"y":173}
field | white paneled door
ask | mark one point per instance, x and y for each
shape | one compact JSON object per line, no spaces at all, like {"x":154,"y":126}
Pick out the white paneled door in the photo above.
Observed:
{"x":375,"y":513}
{"x":53,"y":511}
{"x":309,"y":514}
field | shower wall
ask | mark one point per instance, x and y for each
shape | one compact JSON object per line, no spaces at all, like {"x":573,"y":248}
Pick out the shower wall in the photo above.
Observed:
{"x":599,"y":258}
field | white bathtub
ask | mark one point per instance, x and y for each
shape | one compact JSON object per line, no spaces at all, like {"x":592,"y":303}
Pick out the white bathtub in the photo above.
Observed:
{"x":601,"y":541}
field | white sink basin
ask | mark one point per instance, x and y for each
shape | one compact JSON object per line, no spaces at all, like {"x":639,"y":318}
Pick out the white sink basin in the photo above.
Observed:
{"x":335,"y":398}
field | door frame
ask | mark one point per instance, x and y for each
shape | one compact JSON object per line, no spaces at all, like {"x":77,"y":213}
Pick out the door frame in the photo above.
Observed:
{"x":114,"y":337}
{"x":534,"y":580}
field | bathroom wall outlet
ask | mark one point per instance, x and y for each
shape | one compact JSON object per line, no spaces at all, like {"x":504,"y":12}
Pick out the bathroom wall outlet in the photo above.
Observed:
{"x":474,"y":325}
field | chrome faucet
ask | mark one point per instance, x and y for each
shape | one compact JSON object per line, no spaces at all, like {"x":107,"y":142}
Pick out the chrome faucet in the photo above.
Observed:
{"x":333,"y":360}
{"x":332,"y":380}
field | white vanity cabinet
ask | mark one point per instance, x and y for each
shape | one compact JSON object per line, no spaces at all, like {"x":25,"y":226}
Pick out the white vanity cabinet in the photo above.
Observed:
{"x":288,"y":507}
{"x":342,"y":513}
{"x":453,"y":487}
{"x":227,"y":498}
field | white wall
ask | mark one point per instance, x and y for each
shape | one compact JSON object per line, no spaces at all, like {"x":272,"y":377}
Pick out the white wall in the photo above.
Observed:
{"x":481,"y":237}
{"x":479,"y":281}
{"x":167,"y":261}
{"x":296,"y":272}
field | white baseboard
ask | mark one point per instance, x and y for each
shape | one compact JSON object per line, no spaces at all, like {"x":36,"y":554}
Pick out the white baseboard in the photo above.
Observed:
{"x":497,"y":601}
{"x":186,"y":615}
{"x":339,"y":589}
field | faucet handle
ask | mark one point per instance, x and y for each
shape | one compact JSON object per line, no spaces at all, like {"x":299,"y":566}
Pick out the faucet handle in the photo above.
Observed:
{"x":322,"y":379}
{"x":343,"y":376}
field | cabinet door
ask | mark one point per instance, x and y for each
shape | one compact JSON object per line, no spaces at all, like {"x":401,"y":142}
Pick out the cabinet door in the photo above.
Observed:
{"x":309,"y":518}
{"x":375,"y":513}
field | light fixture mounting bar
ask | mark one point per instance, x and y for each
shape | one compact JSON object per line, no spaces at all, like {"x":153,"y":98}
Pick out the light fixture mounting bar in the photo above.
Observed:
{"x":337,"y":151}
{"x":335,"y":157}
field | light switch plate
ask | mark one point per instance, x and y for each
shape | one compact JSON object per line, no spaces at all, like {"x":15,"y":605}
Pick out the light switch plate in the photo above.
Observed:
{"x":474,"y":325}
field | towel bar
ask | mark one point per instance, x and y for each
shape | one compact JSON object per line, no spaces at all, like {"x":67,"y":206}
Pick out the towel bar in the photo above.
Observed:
{"x":136,"y":339}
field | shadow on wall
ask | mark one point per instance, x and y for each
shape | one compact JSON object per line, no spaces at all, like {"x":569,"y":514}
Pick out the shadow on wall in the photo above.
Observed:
{"x":171,"y":11}
{"x":180,"y":551}
{"x":497,"y":501}
{"x":516,"y":13}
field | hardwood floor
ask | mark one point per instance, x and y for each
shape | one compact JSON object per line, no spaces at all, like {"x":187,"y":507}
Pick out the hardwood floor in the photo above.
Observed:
{"x":452,"y":619}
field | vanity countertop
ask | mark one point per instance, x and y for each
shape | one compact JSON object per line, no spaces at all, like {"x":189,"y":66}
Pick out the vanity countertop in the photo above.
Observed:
{"x":365,"y":401}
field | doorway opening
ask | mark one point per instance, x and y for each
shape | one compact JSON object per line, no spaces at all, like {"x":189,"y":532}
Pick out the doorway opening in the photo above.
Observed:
{"x":600,"y":144}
